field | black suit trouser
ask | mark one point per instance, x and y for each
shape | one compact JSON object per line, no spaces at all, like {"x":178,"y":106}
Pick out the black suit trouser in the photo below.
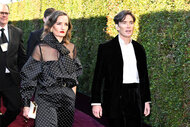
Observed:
{"x":12,"y":101}
{"x":130,"y":107}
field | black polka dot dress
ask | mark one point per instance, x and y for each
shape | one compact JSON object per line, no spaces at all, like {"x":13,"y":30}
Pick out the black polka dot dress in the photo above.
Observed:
{"x":53,"y":81}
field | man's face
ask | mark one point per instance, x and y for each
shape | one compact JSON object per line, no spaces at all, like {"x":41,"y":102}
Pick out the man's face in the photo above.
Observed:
{"x":126,"y":27}
{"x":4,"y":15}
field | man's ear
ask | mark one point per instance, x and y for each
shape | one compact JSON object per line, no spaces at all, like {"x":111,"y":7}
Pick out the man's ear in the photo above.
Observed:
{"x":44,"y":19}
{"x":117,"y":27}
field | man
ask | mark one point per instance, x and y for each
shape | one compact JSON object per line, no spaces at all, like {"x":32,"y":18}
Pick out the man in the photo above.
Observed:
{"x":12,"y":58}
{"x":121,"y":66}
{"x":35,"y":37}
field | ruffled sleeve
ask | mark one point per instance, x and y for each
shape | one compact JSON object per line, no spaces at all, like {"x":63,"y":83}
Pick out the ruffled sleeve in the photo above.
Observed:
{"x":78,"y":65}
{"x":79,"y":69}
{"x":30,"y":74}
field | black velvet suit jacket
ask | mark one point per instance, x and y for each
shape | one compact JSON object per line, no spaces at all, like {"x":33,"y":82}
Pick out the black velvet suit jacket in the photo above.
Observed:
{"x":109,"y":71}
{"x":34,"y":39}
{"x":16,"y":56}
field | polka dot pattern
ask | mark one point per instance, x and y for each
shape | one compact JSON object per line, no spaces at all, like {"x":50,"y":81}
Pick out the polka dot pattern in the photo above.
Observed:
{"x":55,"y":101}
{"x":55,"y":109}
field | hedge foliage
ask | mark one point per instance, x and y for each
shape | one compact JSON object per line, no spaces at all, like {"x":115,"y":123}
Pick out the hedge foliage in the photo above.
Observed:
{"x":162,"y":27}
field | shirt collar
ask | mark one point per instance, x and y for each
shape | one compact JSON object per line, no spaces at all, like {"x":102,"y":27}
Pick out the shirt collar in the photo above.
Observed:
{"x":5,"y":27}
{"x":121,"y":42}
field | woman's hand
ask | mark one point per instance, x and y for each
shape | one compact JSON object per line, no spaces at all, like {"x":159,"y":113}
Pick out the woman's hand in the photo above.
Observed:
{"x":26,"y":112}
{"x":75,"y":89}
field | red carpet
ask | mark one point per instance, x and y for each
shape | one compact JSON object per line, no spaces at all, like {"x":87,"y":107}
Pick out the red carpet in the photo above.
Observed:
{"x":83,"y":116}
{"x":81,"y":119}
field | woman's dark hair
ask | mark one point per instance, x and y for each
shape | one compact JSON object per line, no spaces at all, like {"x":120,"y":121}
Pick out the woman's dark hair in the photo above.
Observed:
{"x":52,"y":20}
{"x":121,"y":16}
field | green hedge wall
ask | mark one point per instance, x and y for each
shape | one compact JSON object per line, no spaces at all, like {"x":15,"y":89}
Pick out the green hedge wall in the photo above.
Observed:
{"x":162,"y":27}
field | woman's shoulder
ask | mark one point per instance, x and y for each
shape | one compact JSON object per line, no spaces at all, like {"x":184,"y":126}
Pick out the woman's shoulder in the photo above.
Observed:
{"x":39,"y":50}
{"x":70,"y":46}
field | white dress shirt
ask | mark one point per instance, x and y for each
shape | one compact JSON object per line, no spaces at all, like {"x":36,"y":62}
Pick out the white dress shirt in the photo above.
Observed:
{"x":130,"y":72}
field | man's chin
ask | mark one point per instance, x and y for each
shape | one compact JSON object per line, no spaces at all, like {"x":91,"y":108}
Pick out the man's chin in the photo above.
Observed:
{"x":128,"y":36}
{"x":3,"y":23}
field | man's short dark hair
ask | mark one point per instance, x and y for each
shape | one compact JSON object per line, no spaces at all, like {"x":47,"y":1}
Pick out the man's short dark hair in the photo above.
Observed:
{"x":121,"y":16}
{"x":48,"y":12}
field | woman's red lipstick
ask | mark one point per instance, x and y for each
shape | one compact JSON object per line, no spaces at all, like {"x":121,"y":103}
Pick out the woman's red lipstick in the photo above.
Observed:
{"x":62,"y":32}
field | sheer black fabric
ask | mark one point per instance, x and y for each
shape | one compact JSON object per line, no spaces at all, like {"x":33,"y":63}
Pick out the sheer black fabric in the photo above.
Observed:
{"x":48,"y":72}
{"x":53,"y":76}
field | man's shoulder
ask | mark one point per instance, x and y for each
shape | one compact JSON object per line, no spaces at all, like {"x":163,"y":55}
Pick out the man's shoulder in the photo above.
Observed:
{"x":136,"y":44}
{"x":14,"y":28}
{"x":138,"y":47}
{"x":37,"y":32}
{"x":36,"y":35}
{"x":111,"y":42}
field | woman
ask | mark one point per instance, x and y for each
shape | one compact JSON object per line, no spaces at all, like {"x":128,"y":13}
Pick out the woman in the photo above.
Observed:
{"x":51,"y":72}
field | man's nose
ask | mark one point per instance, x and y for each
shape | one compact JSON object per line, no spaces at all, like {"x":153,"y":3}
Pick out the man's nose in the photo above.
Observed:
{"x":128,"y":25}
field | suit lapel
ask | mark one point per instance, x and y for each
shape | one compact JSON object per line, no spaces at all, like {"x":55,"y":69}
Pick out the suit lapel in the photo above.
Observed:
{"x":10,"y":36}
{"x":135,"y":49}
{"x":118,"y":50}
{"x":138,"y":56}
{"x":118,"y":56}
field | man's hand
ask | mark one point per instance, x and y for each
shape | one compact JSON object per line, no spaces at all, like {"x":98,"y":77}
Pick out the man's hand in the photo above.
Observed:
{"x":26,"y":112}
{"x":97,"y":111}
{"x":147,"y":109}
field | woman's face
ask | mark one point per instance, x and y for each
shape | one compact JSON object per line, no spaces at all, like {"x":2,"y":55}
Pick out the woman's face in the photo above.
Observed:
{"x":60,"y":28}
